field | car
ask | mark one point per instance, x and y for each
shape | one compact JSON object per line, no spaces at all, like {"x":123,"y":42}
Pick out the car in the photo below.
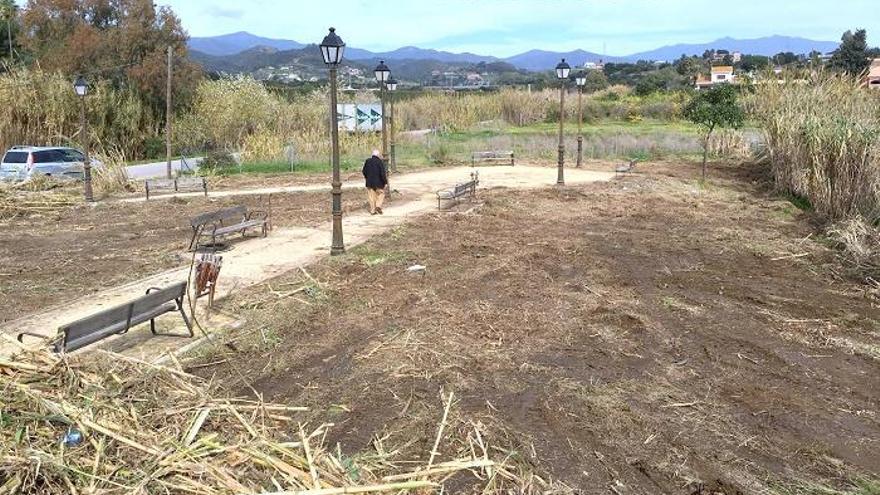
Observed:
{"x":23,"y":162}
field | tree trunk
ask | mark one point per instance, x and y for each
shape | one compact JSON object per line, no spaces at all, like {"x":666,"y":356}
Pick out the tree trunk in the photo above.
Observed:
{"x":706,"y":150}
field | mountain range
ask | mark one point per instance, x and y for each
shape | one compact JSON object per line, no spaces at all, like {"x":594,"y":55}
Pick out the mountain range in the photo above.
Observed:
{"x":218,"y":51}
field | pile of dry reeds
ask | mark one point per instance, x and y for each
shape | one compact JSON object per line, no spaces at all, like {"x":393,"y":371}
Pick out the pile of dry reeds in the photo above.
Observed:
{"x":113,"y":424}
{"x":30,"y":197}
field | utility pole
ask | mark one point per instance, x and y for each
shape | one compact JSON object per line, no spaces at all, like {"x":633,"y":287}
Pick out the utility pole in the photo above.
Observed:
{"x":168,"y":119}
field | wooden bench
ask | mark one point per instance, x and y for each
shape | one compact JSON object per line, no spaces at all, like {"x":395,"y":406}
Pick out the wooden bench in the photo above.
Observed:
{"x":626,"y":167}
{"x":176,"y":185}
{"x":459,"y":191}
{"x":228,"y":221}
{"x":121,"y":319}
{"x":498,"y":157}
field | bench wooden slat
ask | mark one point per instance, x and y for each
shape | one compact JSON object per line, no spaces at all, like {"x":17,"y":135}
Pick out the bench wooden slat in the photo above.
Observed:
{"x":492,"y":156}
{"x":218,"y":216}
{"x":233,"y":228}
{"x":186,"y":183}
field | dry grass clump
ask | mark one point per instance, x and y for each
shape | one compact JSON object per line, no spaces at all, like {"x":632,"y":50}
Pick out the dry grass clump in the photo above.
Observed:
{"x":859,"y":243}
{"x":112,"y":424}
{"x":823,"y":140}
{"x":447,"y":111}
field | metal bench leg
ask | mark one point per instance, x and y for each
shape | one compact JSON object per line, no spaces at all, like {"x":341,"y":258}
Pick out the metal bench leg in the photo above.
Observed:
{"x":192,"y":241}
{"x":186,"y":320}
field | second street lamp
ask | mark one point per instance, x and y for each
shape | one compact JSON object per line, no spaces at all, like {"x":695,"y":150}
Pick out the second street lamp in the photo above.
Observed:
{"x":81,"y":87}
{"x":392,"y":87}
{"x":581,"y":81}
{"x":331,"y":50}
{"x":383,"y":73}
{"x":562,"y":72}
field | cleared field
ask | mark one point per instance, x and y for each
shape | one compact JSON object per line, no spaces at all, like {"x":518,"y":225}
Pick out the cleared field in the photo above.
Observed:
{"x":640,"y":336}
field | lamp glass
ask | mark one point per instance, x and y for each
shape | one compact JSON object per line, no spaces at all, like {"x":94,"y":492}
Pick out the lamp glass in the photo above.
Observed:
{"x":80,"y":86}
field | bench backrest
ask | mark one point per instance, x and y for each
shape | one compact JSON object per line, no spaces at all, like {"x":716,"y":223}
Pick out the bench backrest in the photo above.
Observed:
{"x":234,"y":212}
{"x":491,"y":154}
{"x":93,"y":328}
{"x":190,"y":182}
{"x":154,"y":184}
{"x":157,"y":298}
{"x":463,"y":188}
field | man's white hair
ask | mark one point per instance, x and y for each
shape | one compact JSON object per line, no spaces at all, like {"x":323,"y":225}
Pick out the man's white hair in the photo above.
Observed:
{"x":376,"y":153}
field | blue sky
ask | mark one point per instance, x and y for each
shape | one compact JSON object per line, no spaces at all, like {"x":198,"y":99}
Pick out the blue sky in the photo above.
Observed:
{"x":507,"y":27}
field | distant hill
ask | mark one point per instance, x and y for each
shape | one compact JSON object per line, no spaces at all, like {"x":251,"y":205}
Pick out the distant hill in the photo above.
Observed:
{"x":230,"y":44}
{"x":538,"y":60}
{"x":768,"y":46}
{"x":244,"y":52}
{"x":415,"y":53}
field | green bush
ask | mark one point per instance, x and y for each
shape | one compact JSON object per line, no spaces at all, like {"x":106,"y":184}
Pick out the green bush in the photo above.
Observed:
{"x":154,"y":147}
{"x":218,"y":162}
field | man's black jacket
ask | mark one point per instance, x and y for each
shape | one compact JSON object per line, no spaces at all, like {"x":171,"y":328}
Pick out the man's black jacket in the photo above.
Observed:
{"x":374,"y":173}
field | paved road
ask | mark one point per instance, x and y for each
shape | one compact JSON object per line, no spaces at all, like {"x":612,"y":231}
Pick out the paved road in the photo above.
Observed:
{"x":158,"y":169}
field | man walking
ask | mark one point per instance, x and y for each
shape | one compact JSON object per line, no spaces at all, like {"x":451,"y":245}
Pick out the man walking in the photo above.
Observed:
{"x":377,"y":179}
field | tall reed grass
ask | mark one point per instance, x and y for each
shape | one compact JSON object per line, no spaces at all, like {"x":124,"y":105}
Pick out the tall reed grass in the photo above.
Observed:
{"x":38,"y":108}
{"x":823,"y":143}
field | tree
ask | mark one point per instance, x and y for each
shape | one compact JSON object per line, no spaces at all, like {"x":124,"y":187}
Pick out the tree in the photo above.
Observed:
{"x":658,"y":80}
{"x":690,"y":67}
{"x":785,"y":58}
{"x":852,"y":56}
{"x":121,"y":40}
{"x":596,"y":81}
{"x":714,"y":108}
{"x":751,"y":63}
{"x":9,"y":28}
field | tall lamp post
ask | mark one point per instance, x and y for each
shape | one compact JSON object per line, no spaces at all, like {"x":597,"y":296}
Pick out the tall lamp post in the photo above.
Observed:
{"x":383,"y":73}
{"x":391,"y":83}
{"x":81,"y":87}
{"x":331,"y":49}
{"x":562,"y":72}
{"x":581,"y":81}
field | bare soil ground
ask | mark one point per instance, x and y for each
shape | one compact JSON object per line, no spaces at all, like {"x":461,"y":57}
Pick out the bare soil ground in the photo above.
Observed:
{"x":47,"y":256}
{"x":641,"y":336}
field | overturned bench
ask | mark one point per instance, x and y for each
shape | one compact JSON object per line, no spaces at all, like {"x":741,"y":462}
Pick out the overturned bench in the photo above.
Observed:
{"x":152,"y":186}
{"x":227,"y":221}
{"x":121,"y":319}
{"x":492,"y":157}
{"x":460,"y":190}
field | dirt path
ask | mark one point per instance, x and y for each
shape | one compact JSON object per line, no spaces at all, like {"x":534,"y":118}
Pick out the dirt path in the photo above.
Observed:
{"x":257,"y":260}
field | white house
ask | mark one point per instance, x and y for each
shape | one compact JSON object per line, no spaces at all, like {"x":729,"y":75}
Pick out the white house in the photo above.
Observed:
{"x":721,"y":74}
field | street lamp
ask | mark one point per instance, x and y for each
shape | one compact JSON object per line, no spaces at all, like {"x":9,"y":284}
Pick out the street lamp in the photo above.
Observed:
{"x":81,"y":88}
{"x":391,"y":84}
{"x":331,"y":49}
{"x":581,"y":81}
{"x":383,"y":73}
{"x":562,"y":72}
